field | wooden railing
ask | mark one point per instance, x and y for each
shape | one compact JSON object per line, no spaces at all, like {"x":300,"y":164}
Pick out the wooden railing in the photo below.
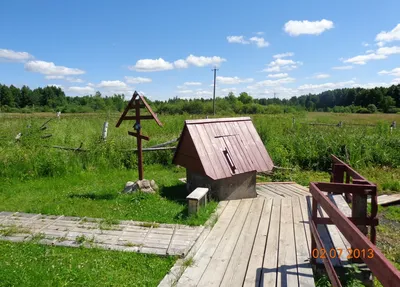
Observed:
{"x":355,"y":228}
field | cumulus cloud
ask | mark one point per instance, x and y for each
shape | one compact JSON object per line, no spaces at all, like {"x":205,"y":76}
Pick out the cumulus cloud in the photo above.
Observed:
{"x":259,"y":41}
{"x":204,"y":61}
{"x":390,"y":36}
{"x":232,"y":80}
{"x":388,"y":50}
{"x":321,"y":76}
{"x":152,"y":65}
{"x":181,"y":64}
{"x":137,"y":80}
{"x":395,"y":72}
{"x":237,"y":39}
{"x":13,"y":56}
{"x":296,"y":28}
{"x":281,"y":65}
{"x":270,"y":83}
{"x":342,"y":68}
{"x":112,"y":84}
{"x":283,"y":55}
{"x":192,"y":83}
{"x":49,"y":68}
{"x":82,"y":90}
{"x":363,"y":59}
{"x":280,"y":75}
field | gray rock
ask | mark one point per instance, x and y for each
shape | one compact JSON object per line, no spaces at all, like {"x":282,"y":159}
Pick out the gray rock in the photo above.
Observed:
{"x":130,"y":187}
{"x":148,"y":186}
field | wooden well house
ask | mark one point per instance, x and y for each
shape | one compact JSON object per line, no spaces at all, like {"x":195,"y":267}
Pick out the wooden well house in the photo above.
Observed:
{"x":223,"y":155}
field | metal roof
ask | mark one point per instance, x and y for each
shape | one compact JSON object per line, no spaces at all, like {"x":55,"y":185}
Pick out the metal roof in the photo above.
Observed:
{"x":221,"y":148}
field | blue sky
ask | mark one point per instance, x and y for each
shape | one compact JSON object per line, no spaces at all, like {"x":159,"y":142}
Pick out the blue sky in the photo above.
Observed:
{"x":168,"y":48}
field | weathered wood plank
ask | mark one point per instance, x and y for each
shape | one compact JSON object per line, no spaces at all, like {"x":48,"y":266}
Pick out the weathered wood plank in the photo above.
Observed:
{"x":236,"y":270}
{"x":215,"y":270}
{"x":267,"y":193}
{"x":271,"y":189}
{"x":193,"y":274}
{"x":270,"y":261}
{"x":287,"y":263}
{"x":254,"y":268}
{"x":305,"y":273}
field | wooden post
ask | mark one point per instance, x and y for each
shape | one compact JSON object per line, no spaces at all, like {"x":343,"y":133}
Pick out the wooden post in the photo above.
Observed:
{"x":139,"y":139}
{"x":105,"y":130}
{"x":314,"y":215}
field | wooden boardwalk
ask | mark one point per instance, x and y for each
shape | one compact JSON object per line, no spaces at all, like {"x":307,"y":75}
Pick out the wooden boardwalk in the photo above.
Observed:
{"x":263,"y":241}
{"x":131,"y":236}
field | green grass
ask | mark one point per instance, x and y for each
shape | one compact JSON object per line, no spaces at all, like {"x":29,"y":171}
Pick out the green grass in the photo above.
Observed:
{"x":97,"y":194}
{"x":28,"y":264}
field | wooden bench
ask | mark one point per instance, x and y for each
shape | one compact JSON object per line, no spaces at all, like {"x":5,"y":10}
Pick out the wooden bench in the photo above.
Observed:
{"x":197,"y":198}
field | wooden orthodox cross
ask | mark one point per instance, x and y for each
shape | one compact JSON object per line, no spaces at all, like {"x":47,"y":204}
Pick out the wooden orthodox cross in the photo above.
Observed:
{"x":136,"y":103}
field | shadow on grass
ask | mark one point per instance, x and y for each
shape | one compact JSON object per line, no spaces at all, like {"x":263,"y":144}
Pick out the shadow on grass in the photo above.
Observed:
{"x":176,"y":193}
{"x":94,"y":196}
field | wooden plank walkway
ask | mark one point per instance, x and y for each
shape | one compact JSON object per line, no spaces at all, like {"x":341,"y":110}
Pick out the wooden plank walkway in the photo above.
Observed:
{"x":263,"y":241}
{"x":160,"y":239}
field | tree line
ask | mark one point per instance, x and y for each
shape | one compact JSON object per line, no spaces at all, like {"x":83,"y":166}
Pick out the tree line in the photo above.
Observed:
{"x":350,"y":100}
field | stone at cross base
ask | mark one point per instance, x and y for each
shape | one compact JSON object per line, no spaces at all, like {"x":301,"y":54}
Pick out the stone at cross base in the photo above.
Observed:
{"x":147,"y":186}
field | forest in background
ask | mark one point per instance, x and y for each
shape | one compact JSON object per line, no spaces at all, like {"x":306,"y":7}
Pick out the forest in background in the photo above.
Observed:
{"x":347,"y":100}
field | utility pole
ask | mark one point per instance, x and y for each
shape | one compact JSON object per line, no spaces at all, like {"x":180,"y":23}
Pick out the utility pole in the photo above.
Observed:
{"x":215,"y":77}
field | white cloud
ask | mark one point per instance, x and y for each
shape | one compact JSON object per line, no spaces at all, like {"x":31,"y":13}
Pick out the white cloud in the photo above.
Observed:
{"x":204,"y":61}
{"x":280,"y":75}
{"x":90,"y":84}
{"x":181,"y":64}
{"x":388,"y":50}
{"x":363,"y":59}
{"x":49,"y":68}
{"x":312,"y":88}
{"x":237,"y":39}
{"x":270,"y":83}
{"x":380,"y":44}
{"x":13,"y":56}
{"x":282,"y":65}
{"x":150,"y":65}
{"x":192,"y":84}
{"x":74,"y":80}
{"x":365,"y":44}
{"x":232,"y":80}
{"x":53,"y":77}
{"x":137,"y":80}
{"x":296,"y":28}
{"x":259,"y":41}
{"x":82,"y":90}
{"x":227,"y":90}
{"x":283,"y":55}
{"x":112,"y":84}
{"x":369,"y":51}
{"x":342,"y":68}
{"x":395,"y":72}
{"x":185,"y":91}
{"x":393,"y":35}
{"x":55,"y":85}
{"x":259,"y":33}
{"x":321,"y":76}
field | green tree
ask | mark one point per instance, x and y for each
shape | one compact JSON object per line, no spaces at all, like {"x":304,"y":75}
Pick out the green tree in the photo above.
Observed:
{"x":6,"y":97}
{"x":245,"y":98}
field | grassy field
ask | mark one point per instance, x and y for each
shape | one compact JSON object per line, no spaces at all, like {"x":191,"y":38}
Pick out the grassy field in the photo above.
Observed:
{"x":28,"y":264}
{"x":36,"y":178}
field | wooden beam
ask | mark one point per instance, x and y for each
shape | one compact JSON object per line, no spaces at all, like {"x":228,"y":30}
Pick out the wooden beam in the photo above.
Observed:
{"x":144,"y":117}
{"x":357,"y":221}
{"x":150,"y":111}
{"x":139,"y":140}
{"x":138,"y":135}
{"x":340,"y":188}
{"x":128,"y":107}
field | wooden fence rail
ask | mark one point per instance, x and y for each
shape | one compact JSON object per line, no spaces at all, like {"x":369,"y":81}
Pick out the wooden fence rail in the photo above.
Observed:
{"x":354,"y":228}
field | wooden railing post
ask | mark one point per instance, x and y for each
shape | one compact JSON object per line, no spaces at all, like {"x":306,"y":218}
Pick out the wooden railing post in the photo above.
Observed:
{"x":314,"y":216}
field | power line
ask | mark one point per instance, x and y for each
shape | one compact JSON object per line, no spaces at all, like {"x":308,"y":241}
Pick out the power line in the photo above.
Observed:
{"x":215,"y":77}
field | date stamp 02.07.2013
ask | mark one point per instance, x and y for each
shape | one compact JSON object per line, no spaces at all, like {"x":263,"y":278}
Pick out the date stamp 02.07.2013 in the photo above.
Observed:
{"x":337,"y":253}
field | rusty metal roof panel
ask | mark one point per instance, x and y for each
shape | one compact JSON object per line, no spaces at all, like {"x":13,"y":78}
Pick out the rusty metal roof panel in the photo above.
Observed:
{"x":225,"y":147}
